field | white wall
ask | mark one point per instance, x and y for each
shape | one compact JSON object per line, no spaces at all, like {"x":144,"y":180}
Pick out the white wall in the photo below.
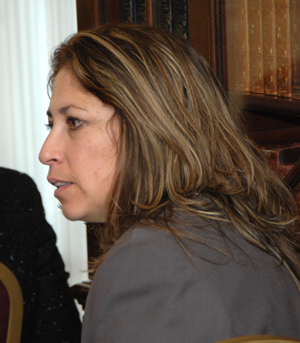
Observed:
{"x":29,"y":30}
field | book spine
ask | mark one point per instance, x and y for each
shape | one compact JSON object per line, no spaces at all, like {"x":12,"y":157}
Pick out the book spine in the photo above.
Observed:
{"x":255,"y":46}
{"x":272,"y":156}
{"x":126,"y":10}
{"x":140,"y":11}
{"x":295,"y":48}
{"x":164,"y":11}
{"x":283,"y":48}
{"x":281,"y":159}
{"x":238,"y":45}
{"x":269,"y":47}
{"x":180,"y":17}
{"x":229,"y":42}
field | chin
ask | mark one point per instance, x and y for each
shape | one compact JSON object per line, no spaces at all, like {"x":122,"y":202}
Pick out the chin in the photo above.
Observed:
{"x":74,"y":215}
{"x":71,"y":215}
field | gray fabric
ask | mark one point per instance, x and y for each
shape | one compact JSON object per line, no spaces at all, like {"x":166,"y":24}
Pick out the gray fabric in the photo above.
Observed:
{"x":149,"y":290}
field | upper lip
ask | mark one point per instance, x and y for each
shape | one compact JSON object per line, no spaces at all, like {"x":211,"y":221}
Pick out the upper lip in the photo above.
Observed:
{"x":56,"y":182}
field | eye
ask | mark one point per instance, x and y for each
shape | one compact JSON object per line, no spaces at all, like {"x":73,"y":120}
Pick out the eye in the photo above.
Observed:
{"x":49,"y":126}
{"x":74,"y":123}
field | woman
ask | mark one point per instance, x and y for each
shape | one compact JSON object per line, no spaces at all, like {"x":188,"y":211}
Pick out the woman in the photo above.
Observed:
{"x":201,"y":241}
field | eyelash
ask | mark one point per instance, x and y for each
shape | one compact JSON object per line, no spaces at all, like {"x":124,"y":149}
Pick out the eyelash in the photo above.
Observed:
{"x":48,"y":127}
{"x":69,"y":121}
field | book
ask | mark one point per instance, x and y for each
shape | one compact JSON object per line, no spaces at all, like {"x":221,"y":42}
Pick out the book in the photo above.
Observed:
{"x":228,"y":42}
{"x":255,"y":31}
{"x":164,"y":13}
{"x":295,"y":47}
{"x":237,"y":42}
{"x":269,"y":47}
{"x":126,"y":12}
{"x":140,"y":12}
{"x":180,"y":17}
{"x":281,"y":160}
{"x":283,"y":48}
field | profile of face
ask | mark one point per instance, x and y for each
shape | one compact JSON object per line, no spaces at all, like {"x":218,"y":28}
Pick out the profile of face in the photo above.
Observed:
{"x":81,"y":149}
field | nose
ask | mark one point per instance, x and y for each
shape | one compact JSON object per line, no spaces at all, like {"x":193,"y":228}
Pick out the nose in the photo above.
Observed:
{"x":51,"y":152}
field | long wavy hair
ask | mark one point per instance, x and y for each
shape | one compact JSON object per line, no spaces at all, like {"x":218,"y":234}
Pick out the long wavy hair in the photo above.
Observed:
{"x":183,"y":143}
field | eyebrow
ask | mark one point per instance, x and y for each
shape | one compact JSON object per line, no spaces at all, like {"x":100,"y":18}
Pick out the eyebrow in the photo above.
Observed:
{"x":65,"y":109}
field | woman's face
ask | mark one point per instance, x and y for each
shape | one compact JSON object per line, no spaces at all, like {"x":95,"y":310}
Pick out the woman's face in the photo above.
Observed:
{"x":81,"y":149}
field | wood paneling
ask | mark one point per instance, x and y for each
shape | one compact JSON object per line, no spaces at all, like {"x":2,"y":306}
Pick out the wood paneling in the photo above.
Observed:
{"x":86,"y":14}
{"x":199,"y":26}
{"x":91,"y":13}
{"x":151,"y":15}
{"x":111,"y":12}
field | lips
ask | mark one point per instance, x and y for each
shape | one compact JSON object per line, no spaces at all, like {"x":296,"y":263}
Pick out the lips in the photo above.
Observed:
{"x":60,"y":184}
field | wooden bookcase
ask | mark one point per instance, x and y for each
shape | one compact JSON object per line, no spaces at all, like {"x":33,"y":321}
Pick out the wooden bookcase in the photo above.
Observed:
{"x":270,"y":120}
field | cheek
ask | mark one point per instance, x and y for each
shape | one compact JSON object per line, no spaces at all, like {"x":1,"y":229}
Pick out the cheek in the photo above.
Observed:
{"x":101,"y":160}
{"x":86,"y":152}
{"x":94,"y":160}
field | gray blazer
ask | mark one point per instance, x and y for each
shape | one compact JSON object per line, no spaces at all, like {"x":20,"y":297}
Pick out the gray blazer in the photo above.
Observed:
{"x":149,"y":289}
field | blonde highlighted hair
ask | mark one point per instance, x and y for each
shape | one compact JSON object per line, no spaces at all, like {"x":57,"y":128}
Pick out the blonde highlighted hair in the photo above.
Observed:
{"x":183,"y":143}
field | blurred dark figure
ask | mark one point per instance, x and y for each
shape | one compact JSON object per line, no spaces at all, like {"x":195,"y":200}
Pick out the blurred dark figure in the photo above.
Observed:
{"x":28,"y":248}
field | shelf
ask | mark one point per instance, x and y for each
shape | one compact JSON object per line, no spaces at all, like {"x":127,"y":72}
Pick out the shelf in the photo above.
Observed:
{"x":257,"y":103}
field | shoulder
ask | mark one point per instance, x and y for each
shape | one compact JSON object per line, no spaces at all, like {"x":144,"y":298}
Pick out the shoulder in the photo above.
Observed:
{"x":145,"y":238}
{"x":11,"y":177}
{"x":18,"y":191}
{"x":24,"y":231}
{"x":149,"y":262}
{"x":143,"y":260}
{"x":139,"y":249}
{"x":147,"y":278}
{"x":219,"y":262}
{"x":144,"y":248}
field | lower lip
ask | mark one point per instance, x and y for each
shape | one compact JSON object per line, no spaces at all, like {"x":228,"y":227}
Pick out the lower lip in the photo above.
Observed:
{"x":61,"y":189}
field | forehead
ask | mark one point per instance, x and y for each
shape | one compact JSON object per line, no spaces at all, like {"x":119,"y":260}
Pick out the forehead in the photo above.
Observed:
{"x":69,"y":97}
{"x":66,"y":90}
{"x":66,"y":79}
